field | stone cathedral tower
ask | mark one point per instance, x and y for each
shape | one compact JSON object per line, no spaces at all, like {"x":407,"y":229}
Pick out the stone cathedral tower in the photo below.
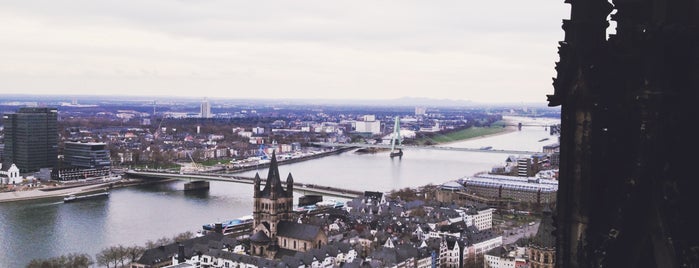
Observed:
{"x":271,"y":205}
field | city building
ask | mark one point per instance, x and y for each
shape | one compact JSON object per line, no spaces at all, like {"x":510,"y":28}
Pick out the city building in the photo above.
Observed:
{"x":274,"y":230}
{"x":10,"y":175}
{"x":31,"y":138}
{"x":481,"y":219}
{"x":82,"y":160}
{"x":502,"y":257}
{"x":369,"y":124}
{"x":205,"y":109}
{"x":528,"y":166}
{"x":258,"y":130}
{"x":166,"y":255}
{"x":522,"y":189}
{"x":86,"y":154}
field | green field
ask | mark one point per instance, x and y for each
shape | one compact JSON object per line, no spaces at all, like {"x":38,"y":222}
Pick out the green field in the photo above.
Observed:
{"x":463,"y":134}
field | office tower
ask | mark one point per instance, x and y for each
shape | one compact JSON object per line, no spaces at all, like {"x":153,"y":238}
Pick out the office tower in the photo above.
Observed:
{"x":205,"y":110}
{"x":86,"y":155}
{"x":31,"y":138}
{"x":83,"y":160}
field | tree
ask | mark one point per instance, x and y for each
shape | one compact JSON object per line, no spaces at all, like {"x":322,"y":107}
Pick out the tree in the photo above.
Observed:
{"x":112,"y":255}
{"x":183,"y":236}
{"x":70,"y":260}
{"x":160,"y":242}
{"x":134,"y":252}
{"x":418,"y":212}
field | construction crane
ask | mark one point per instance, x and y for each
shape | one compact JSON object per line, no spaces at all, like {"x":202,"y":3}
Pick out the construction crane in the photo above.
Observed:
{"x":194,"y":167}
{"x":158,"y":130}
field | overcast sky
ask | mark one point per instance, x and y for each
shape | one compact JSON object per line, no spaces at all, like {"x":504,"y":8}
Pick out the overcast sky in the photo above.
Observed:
{"x":484,"y":51}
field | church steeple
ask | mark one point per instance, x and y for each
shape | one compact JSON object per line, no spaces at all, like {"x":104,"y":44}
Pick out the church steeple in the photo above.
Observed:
{"x":271,"y":206}
{"x":289,"y":185}
{"x":256,"y":183}
{"x":273,"y":186}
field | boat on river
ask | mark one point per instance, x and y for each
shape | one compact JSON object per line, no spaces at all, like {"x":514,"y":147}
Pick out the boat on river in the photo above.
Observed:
{"x":73,"y":197}
{"x":330,"y":204}
{"x":230,"y":223}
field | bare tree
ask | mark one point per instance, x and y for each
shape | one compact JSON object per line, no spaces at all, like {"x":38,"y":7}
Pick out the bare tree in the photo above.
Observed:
{"x":134,"y":252}
{"x":78,"y":260}
{"x":183,"y":236}
{"x":112,"y":255}
{"x":160,"y":242}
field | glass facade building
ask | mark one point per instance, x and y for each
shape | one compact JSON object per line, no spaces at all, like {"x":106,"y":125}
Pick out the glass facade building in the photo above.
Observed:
{"x":31,"y":138}
{"x":86,"y":154}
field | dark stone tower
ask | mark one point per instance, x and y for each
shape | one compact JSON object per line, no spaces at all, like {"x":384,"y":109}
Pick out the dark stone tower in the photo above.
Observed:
{"x":542,"y":250}
{"x":271,"y":205}
{"x":628,"y":190}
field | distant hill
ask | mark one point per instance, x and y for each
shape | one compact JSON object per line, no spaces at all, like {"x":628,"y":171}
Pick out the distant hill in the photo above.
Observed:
{"x":403,"y":101}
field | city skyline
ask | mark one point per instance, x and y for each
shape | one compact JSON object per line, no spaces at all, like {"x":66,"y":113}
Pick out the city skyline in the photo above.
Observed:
{"x":302,"y":50}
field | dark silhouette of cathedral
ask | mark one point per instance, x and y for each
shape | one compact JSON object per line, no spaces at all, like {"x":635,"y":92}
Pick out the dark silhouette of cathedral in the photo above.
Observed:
{"x":275,"y":232}
{"x":628,"y":191}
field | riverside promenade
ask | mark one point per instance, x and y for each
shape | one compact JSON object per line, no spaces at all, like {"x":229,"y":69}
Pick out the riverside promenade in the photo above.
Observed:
{"x":63,"y":190}
{"x":46,"y":192}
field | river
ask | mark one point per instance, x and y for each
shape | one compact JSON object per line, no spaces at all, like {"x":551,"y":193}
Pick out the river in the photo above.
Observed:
{"x":134,"y":215}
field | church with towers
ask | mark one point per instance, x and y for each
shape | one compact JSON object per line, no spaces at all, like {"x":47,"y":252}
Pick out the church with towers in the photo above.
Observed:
{"x":276,"y":230}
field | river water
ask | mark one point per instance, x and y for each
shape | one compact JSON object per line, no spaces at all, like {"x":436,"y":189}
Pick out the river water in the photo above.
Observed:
{"x":134,"y":215}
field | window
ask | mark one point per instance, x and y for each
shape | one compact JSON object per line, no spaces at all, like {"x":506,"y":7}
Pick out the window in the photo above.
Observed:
{"x":294,"y":244}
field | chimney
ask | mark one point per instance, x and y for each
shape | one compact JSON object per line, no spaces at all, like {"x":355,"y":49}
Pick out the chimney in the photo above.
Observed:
{"x":218,"y":227}
{"x":180,"y":254}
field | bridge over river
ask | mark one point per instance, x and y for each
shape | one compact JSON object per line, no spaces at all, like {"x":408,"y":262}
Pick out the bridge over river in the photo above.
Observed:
{"x":199,"y":177}
{"x":442,"y":148}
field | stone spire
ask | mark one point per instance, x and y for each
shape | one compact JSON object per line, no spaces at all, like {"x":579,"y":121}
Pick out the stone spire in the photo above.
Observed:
{"x":544,"y":236}
{"x":273,"y":186}
{"x":256,"y":183}
{"x":289,"y":185}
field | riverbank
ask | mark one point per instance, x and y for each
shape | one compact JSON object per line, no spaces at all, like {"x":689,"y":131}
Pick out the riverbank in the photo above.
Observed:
{"x":498,"y":128}
{"x":288,"y":161}
{"x":505,"y":130}
{"x":58,"y":192}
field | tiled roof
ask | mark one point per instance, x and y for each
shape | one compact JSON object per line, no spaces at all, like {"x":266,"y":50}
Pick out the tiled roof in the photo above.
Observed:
{"x":260,"y":237}
{"x":300,"y":231}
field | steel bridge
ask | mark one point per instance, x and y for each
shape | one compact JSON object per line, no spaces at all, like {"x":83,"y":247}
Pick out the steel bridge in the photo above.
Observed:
{"x":298,"y":187}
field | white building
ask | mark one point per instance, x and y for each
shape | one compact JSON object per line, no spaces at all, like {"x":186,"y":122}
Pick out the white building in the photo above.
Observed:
{"x":501,"y":258}
{"x":483,"y":219}
{"x":485,"y":245}
{"x":205,"y":109}
{"x":450,"y":257}
{"x":369,"y":124}
{"x":258,"y":130}
{"x":11,"y":176}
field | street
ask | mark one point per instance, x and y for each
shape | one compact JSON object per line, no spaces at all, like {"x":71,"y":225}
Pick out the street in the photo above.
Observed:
{"x":519,"y":232}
